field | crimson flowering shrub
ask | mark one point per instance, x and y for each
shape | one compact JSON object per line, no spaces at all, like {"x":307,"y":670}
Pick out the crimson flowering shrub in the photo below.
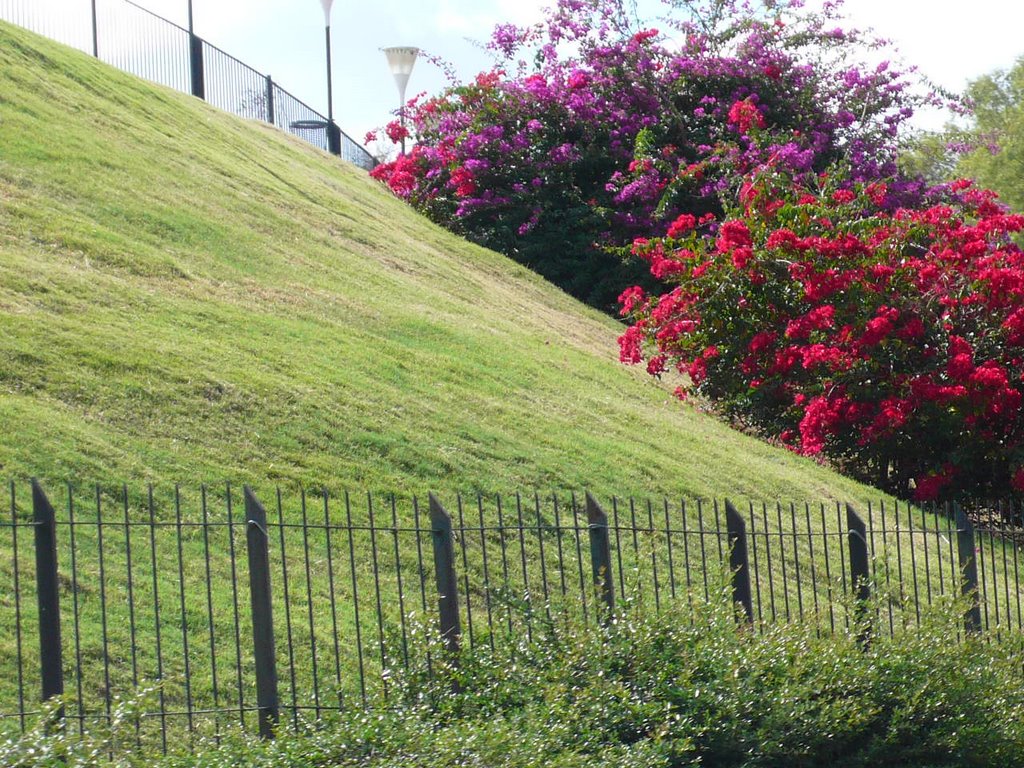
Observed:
{"x":889,"y":339}
{"x":593,"y":129}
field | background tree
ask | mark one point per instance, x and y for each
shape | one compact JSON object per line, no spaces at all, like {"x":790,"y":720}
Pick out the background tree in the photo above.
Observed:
{"x":988,"y":147}
{"x":998,"y":131}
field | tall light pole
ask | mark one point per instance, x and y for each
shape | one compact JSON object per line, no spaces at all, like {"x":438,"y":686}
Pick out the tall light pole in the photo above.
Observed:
{"x":333,"y":132}
{"x":400,"y":61}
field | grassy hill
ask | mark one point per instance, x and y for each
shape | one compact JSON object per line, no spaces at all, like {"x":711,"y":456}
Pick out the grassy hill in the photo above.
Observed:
{"x":186,"y":296}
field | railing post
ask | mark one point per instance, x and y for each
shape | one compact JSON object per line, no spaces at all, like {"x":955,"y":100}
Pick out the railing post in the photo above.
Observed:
{"x":270,"y":100}
{"x":195,"y":65}
{"x":48,"y":592}
{"x":333,"y":138}
{"x":968,"y":569}
{"x":444,"y":572}
{"x":257,"y":542}
{"x":601,"y":555}
{"x":95,"y":32}
{"x":739,"y":564}
{"x":857,"y":537}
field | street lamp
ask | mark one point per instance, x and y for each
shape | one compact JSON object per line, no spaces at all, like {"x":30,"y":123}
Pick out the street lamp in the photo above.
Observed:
{"x":333,"y":132}
{"x":401,"y":60}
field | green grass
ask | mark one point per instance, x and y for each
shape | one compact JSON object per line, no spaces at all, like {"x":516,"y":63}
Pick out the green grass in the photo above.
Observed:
{"x":188,"y":297}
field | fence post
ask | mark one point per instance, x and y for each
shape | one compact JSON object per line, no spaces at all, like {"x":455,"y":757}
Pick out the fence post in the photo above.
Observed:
{"x":969,"y":569}
{"x":444,"y":572}
{"x":270,"y":100}
{"x":333,"y":138}
{"x":857,"y":537}
{"x":48,"y":592}
{"x":739,"y":564}
{"x":95,"y":33}
{"x":257,"y":542}
{"x":195,"y":65}
{"x":601,"y":555}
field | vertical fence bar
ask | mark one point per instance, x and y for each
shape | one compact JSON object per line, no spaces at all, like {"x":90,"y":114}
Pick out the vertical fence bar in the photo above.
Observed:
{"x":17,"y":608}
{"x":444,"y":572}
{"x":968,"y":569}
{"x":487,"y":575}
{"x":95,"y":33}
{"x":522,"y":560}
{"x":376,"y":588}
{"x":80,"y":700}
{"x":757,"y":571}
{"x":184,"y":612}
{"x":104,"y":636}
{"x":156,"y":619}
{"x":209,"y":612}
{"x":48,"y":592}
{"x":504,"y":565}
{"x":234,"y":607}
{"x":195,"y":65}
{"x":739,"y":565}
{"x":423,"y":571}
{"x":782,"y":560}
{"x":355,"y":597}
{"x":258,"y":545}
{"x":333,"y":599}
{"x":465,"y":568}
{"x":270,"y":100}
{"x":601,"y":556}
{"x":654,"y":557}
{"x":398,"y":578}
{"x":309,"y":606}
{"x":859,"y":573}
{"x":579,"y":555}
{"x":131,"y":590}
{"x":668,"y":546}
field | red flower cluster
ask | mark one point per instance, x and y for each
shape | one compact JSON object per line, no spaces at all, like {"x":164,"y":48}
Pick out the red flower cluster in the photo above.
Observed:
{"x":890,"y":341}
{"x":745,"y":115}
{"x":396,"y":131}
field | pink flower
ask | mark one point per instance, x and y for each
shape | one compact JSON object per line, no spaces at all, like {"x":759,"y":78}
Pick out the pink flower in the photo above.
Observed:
{"x":629,"y":299}
{"x":733,"y":234}
{"x":578,"y":79}
{"x":684,"y":223}
{"x":396,"y":132}
{"x":630,"y":345}
{"x":745,"y":115}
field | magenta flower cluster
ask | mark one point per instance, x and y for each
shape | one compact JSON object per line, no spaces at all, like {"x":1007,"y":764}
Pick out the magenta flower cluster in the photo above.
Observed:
{"x":590,"y":122}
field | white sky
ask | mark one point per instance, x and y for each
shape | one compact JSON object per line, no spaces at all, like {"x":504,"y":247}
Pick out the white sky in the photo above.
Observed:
{"x":951,"y":42}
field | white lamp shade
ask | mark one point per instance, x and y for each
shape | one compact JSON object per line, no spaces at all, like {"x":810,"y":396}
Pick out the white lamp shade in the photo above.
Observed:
{"x":400,"y":61}
{"x":327,"y":10}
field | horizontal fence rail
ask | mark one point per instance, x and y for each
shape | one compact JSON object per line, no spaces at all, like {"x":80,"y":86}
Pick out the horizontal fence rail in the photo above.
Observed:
{"x":135,"y":40}
{"x":260,"y":609}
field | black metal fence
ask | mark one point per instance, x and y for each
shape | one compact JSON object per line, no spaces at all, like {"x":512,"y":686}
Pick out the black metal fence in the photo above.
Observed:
{"x":137,"y":41}
{"x":247,"y":614}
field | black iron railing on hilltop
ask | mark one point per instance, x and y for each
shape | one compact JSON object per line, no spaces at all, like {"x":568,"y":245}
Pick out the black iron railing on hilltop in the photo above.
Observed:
{"x":137,"y":41}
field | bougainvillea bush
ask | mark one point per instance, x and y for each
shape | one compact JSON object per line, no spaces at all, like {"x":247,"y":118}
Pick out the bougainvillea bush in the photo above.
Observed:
{"x":594,"y":128}
{"x":889,"y":339}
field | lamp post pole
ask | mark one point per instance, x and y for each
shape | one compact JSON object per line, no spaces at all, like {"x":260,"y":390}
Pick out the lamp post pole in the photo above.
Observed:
{"x":333,"y":132}
{"x":401,"y":60}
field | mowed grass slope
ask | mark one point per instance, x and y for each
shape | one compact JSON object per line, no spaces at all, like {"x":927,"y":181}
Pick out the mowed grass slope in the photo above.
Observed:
{"x":189,"y":297}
